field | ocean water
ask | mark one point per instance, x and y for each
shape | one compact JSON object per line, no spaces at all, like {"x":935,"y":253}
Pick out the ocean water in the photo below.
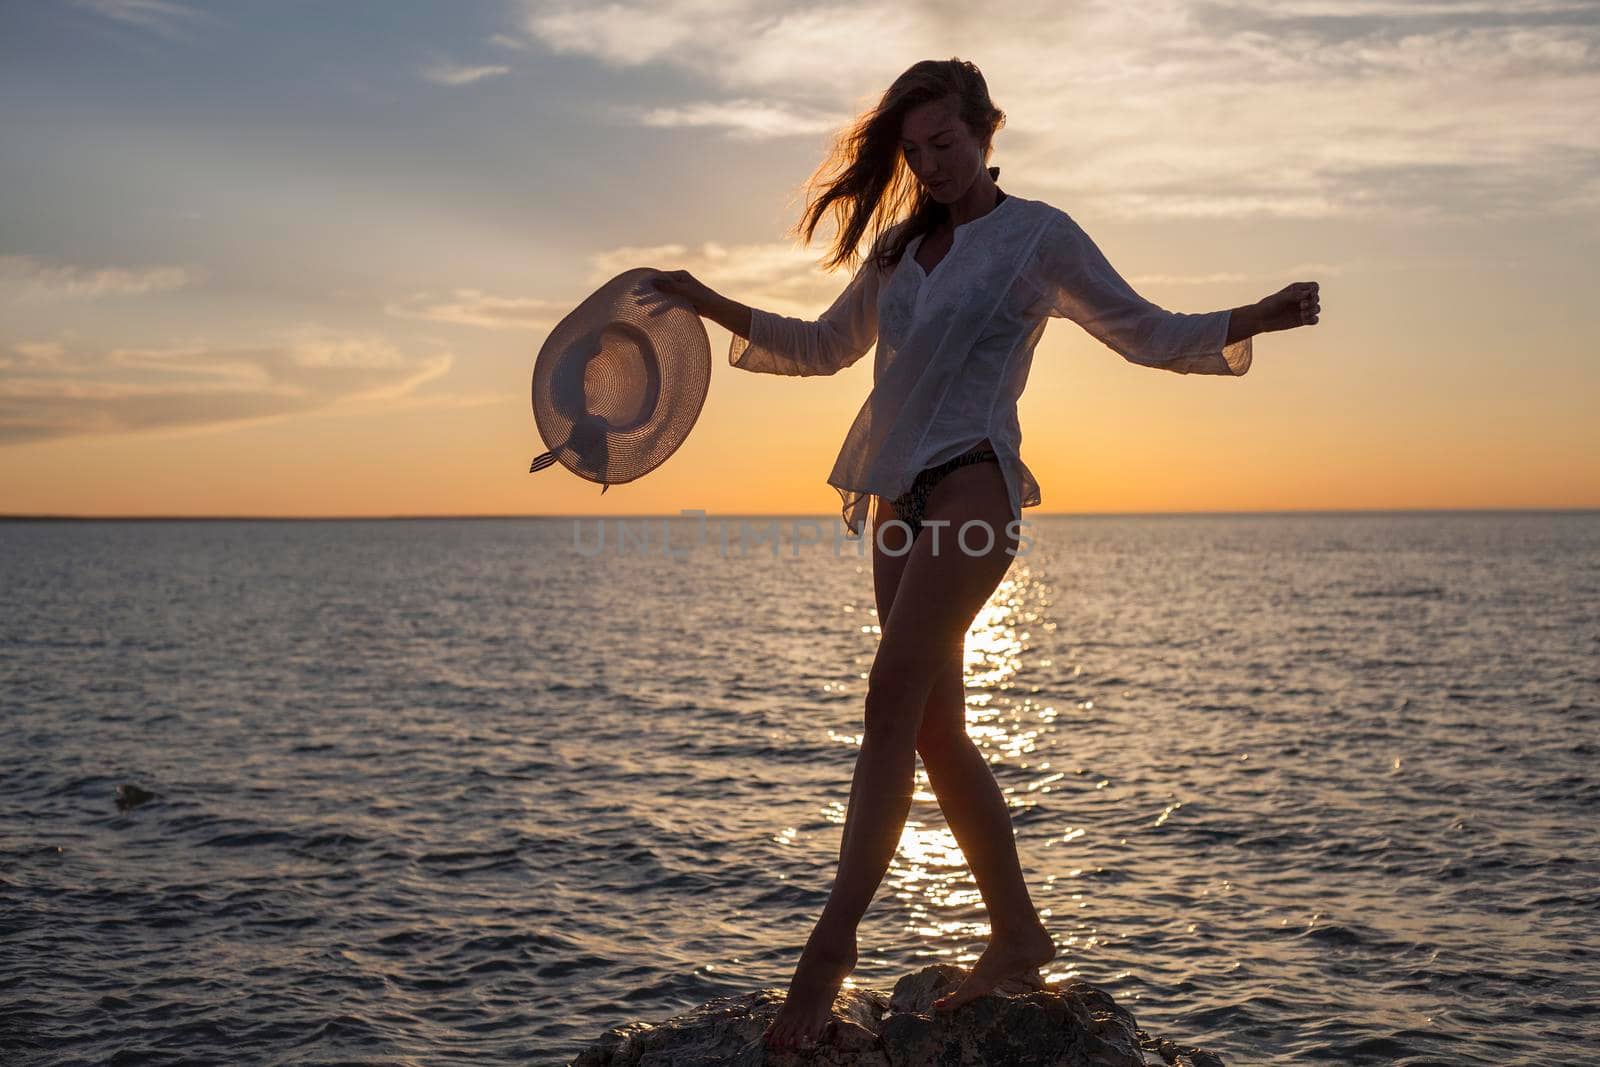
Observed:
{"x":1300,"y":788}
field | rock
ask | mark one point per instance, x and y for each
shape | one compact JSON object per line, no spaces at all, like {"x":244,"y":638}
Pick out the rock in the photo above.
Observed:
{"x":728,"y":1030}
{"x":1070,"y":1024}
{"x":1176,"y":1055}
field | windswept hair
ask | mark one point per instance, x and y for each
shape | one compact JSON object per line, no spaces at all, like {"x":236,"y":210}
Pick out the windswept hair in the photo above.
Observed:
{"x":865,"y":181}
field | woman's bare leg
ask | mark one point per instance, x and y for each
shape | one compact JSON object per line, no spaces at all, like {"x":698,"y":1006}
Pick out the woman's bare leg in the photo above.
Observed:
{"x":979,"y":818}
{"x":971,"y":800}
{"x":938,"y":596}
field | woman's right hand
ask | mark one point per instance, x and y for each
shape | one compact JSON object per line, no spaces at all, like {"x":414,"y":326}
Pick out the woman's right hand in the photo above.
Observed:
{"x":681,"y":285}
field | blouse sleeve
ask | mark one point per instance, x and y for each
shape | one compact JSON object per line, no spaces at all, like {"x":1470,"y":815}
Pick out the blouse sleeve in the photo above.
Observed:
{"x":779,"y":344}
{"x":1077,"y":282}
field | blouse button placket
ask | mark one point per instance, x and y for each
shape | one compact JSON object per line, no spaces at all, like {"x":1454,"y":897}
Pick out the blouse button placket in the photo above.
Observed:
{"x":924,"y":279}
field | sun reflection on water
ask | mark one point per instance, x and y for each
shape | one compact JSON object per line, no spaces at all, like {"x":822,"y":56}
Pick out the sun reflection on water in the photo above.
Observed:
{"x":929,"y":874}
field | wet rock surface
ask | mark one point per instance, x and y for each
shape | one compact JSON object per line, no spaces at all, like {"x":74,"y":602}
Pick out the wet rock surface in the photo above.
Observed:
{"x":1072,"y":1024}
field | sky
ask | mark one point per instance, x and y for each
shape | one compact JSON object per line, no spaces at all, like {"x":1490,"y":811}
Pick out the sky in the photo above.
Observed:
{"x":297,"y":258}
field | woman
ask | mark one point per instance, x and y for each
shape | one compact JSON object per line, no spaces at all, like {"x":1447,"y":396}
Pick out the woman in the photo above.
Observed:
{"x":955,"y":296}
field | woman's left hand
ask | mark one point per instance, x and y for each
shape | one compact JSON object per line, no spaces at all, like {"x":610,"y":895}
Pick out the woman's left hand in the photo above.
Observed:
{"x":1298,"y":304}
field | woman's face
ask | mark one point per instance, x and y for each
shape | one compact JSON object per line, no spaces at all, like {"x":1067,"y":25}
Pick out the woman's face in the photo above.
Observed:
{"x":940,"y":150}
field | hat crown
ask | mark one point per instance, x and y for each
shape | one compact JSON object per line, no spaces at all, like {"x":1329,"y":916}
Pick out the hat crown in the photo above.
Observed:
{"x":622,"y":381}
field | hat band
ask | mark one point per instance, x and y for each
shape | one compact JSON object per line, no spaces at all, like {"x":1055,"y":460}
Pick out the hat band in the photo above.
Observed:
{"x":548,"y":459}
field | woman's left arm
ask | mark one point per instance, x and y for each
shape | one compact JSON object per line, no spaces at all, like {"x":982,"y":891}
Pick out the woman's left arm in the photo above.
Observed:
{"x":1077,"y":282}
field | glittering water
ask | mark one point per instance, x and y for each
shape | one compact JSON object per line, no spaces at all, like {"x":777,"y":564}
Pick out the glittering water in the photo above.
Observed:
{"x":1298,"y":788}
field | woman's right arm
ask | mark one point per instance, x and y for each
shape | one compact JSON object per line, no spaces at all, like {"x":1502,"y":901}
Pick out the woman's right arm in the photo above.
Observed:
{"x":779,"y":344}
{"x":729,"y":314}
{"x":767,"y":343}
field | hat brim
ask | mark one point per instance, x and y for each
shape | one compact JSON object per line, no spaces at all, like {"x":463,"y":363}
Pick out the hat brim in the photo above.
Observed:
{"x":620,"y":381}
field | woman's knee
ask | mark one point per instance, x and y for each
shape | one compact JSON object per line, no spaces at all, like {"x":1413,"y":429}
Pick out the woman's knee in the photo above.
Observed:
{"x":897,"y":692}
{"x":944,"y":717}
{"x":889,"y":707}
{"x":939,"y":737}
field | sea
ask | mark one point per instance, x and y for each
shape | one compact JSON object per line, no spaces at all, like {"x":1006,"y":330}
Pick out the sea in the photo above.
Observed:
{"x":1299,"y":787}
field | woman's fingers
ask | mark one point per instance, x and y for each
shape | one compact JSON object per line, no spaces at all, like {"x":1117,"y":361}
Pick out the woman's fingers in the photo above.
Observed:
{"x":676,"y":282}
{"x":1310,"y":303}
{"x":654,"y":295}
{"x":667,"y":289}
{"x":663,"y":282}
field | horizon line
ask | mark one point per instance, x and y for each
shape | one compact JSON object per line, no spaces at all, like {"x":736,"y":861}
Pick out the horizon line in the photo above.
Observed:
{"x":53,"y":517}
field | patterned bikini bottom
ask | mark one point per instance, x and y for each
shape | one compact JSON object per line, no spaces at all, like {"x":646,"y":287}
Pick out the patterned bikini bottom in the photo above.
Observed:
{"x":910,"y":504}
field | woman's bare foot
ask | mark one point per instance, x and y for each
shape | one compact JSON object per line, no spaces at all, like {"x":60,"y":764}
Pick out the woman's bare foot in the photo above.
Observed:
{"x":1005,"y":957}
{"x":808,"y":1008}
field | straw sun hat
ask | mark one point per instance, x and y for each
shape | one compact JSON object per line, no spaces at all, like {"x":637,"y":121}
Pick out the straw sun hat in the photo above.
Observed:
{"x":620,"y":381}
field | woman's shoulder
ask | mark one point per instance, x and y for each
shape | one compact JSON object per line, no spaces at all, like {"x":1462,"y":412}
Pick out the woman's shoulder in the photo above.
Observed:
{"x":1043,"y":211}
{"x":1055,"y":230}
{"x":892,"y":233}
{"x":886,"y":240}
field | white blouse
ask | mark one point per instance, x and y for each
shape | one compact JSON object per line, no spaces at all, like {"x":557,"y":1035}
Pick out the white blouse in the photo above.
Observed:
{"x":954,"y":347}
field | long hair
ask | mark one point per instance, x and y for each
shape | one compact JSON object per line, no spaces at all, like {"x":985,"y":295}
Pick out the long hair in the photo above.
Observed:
{"x":864,"y":178}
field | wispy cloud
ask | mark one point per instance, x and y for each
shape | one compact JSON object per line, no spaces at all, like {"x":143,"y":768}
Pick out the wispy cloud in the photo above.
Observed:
{"x":1174,"y":108}
{"x":810,"y":49}
{"x":53,"y":390}
{"x":455,"y":74}
{"x":28,"y":278}
{"x":744,"y":119}
{"x":786,"y":278}
{"x":161,"y":17}
{"x":470,"y":307}
{"x":621,"y":34}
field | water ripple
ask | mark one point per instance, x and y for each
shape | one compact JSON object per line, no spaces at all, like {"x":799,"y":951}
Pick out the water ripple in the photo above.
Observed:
{"x":1293,"y":787}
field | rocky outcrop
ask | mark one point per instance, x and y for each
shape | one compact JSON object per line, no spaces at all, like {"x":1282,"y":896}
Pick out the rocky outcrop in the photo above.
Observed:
{"x":1068,"y":1025}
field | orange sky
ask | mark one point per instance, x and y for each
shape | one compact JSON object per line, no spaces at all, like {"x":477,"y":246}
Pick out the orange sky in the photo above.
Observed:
{"x":331,"y":305}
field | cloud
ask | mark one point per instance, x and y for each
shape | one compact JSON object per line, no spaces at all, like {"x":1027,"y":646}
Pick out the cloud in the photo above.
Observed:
{"x":38,"y":354}
{"x":470,"y":307}
{"x":621,"y":34}
{"x":160,"y":17}
{"x":453,"y":74}
{"x":53,"y":390}
{"x":1349,"y":9}
{"x":1177,"y":109}
{"x":786,"y":277}
{"x":27,"y":278}
{"x":744,"y":119}
{"x":771,"y":44}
